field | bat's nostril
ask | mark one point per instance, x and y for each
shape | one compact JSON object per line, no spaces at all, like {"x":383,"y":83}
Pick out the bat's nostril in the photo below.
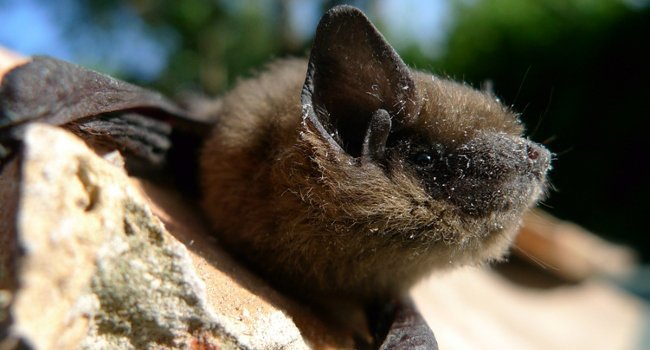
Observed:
{"x":539,"y":159}
{"x":533,"y":153}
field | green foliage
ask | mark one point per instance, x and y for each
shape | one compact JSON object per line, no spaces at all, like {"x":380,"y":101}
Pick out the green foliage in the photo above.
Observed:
{"x":488,"y":32}
{"x":218,"y":40}
{"x":578,"y":71}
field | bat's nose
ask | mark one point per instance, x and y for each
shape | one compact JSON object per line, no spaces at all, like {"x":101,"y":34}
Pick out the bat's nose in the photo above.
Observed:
{"x":539,"y":158}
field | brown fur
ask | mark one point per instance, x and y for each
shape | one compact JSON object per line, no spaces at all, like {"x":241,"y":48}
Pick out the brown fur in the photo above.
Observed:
{"x":316,"y":221}
{"x":319,"y":222}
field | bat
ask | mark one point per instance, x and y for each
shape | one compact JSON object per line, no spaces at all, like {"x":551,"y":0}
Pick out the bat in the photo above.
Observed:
{"x":376,"y":176}
{"x":347,"y":176}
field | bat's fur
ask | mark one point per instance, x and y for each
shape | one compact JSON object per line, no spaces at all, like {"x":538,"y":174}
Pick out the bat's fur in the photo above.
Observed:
{"x":321,"y":221}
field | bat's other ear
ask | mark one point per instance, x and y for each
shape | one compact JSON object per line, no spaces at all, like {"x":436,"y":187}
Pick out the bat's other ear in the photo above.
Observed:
{"x":357,"y":86}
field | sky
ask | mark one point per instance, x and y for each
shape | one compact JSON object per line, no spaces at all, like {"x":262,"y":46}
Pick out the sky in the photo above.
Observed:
{"x":36,"y":27}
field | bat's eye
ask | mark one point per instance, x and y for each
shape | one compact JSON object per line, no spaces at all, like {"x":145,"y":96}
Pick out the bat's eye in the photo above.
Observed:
{"x":423,"y":159}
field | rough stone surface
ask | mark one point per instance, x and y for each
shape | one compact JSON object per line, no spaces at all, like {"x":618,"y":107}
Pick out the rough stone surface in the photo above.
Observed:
{"x":95,"y":267}
{"x":91,"y":259}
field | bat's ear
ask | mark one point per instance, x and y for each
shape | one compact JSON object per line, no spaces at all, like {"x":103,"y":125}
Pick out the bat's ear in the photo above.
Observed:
{"x":357,"y":87}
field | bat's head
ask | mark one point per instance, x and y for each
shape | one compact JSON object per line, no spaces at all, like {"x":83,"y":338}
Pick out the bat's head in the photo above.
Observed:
{"x":435,"y":166}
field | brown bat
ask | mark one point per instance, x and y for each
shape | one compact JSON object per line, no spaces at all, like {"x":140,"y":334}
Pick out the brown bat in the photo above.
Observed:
{"x":365,"y":176}
{"x":345,"y":177}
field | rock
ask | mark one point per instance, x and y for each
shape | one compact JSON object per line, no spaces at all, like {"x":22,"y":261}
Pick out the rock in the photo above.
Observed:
{"x":87,"y":262}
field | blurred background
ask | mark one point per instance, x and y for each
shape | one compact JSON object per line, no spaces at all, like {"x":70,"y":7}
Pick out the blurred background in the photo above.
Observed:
{"x":578,"y":71}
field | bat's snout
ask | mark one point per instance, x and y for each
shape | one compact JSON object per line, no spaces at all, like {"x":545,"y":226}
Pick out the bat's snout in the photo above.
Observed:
{"x":539,"y":159}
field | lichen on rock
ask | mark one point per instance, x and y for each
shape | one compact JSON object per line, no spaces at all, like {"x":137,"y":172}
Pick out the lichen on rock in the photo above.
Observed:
{"x":94,"y":267}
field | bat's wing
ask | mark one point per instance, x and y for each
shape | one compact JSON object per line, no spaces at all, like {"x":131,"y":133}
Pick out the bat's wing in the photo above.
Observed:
{"x":110,"y":112}
{"x":399,"y":325}
{"x":58,"y":92}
